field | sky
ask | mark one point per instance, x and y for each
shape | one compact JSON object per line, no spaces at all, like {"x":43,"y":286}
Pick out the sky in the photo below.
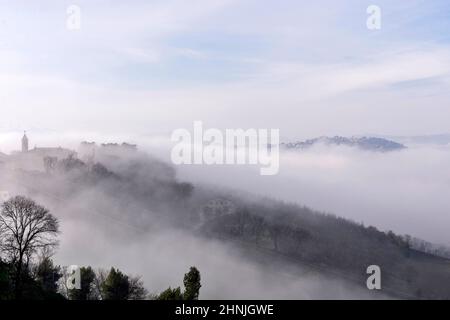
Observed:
{"x":150,"y":67}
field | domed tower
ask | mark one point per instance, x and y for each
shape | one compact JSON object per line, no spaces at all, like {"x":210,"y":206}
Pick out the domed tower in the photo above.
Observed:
{"x":25,"y":142}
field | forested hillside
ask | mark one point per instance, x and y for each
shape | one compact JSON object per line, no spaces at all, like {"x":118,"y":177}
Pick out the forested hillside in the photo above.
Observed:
{"x":139,"y":192}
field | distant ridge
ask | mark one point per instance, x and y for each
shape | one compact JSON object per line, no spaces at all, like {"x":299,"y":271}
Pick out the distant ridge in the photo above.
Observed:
{"x":365,"y":143}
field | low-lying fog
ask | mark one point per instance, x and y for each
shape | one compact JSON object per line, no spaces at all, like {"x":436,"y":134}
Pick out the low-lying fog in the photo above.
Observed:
{"x":162,"y":257}
{"x":406,"y":191}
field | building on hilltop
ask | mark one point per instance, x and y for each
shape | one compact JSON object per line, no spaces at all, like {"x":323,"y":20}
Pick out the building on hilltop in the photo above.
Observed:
{"x":91,"y":152}
{"x":57,"y":152}
{"x":25,"y":142}
{"x":33,"y":159}
{"x":116,"y":146}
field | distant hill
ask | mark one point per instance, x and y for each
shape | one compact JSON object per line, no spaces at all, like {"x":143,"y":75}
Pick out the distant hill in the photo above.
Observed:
{"x":365,"y":143}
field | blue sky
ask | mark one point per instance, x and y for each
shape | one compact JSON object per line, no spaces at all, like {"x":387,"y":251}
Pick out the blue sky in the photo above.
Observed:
{"x":308,"y":68}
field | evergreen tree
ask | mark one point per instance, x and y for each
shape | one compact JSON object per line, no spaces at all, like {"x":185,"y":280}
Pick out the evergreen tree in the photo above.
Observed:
{"x":47,"y":275}
{"x":192,"y":284}
{"x":171,"y":294}
{"x":87,"y":276}
{"x":6,"y":286}
{"x":116,"y":286}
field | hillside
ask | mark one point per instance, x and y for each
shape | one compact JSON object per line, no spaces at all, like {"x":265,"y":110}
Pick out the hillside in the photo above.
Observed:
{"x":138,"y":192}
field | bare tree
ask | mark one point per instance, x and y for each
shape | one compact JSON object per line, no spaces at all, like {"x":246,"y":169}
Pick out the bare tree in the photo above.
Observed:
{"x":26,"y":229}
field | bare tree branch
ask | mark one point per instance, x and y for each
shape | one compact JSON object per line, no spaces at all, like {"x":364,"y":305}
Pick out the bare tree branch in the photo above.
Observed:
{"x":26,"y":228}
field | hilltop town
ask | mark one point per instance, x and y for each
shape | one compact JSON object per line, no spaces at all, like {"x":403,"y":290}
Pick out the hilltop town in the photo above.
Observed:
{"x":40,"y":158}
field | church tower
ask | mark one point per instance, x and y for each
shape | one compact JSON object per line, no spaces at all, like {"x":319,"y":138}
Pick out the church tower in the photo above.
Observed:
{"x":25,"y":142}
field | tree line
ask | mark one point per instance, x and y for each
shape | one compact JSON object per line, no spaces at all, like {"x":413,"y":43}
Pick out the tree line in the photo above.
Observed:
{"x":332,"y":244}
{"x":28,"y":239}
